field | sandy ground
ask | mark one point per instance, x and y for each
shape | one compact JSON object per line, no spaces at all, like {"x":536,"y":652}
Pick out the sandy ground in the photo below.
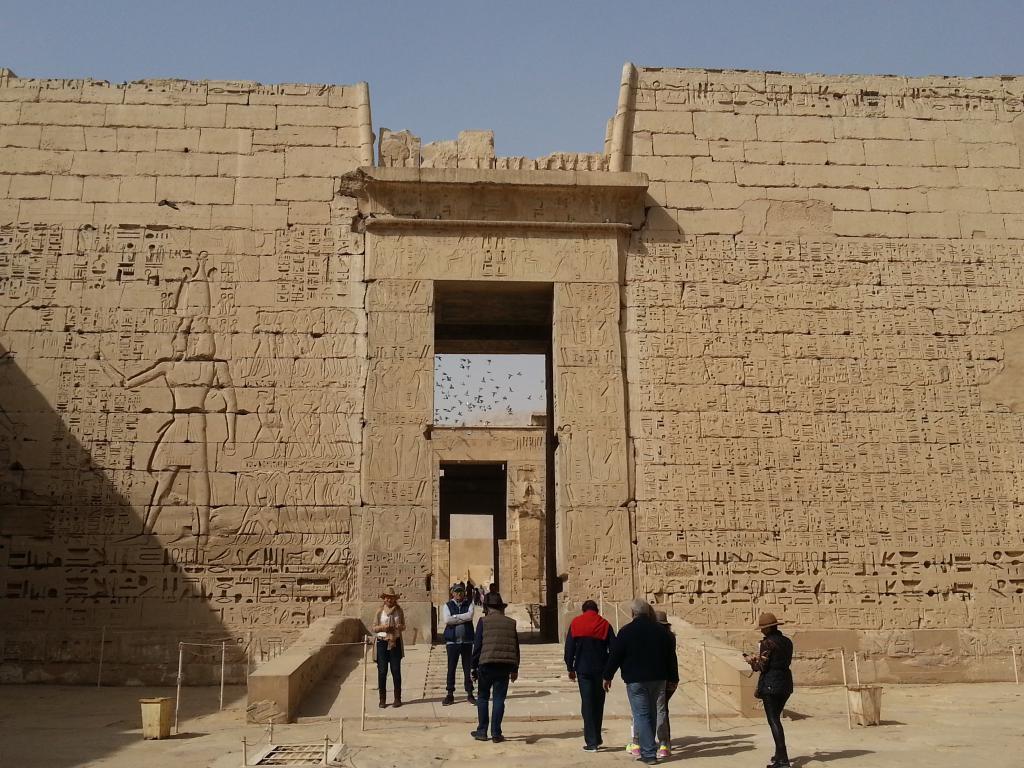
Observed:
{"x":948,"y":725}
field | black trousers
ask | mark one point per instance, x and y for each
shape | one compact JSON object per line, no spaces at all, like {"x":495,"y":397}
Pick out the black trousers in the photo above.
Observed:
{"x":591,"y":707}
{"x":389,"y":660}
{"x":458,"y":651}
{"x":773,"y":706}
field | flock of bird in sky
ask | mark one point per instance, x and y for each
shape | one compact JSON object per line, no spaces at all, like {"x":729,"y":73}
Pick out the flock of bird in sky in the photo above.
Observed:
{"x":485,"y":390}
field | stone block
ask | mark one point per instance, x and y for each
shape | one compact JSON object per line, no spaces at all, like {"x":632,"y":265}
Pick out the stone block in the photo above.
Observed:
{"x":762,"y":152}
{"x":837,"y":176}
{"x":206,"y":116}
{"x":706,"y":169}
{"x":993,"y":155}
{"x":319,"y":161}
{"x":144,"y":116}
{"x":982,"y":225}
{"x":30,"y":187}
{"x":724,"y":125}
{"x":871,"y":224}
{"x":176,"y":164}
{"x":476,"y":149}
{"x":894,"y":152}
{"x":709,"y":222}
{"x":951,"y":152}
{"x":67,"y":212}
{"x":104,"y":163}
{"x":215,"y":190}
{"x":270,"y":218}
{"x":100,"y":189}
{"x":225,"y":140}
{"x":309,"y":213}
{"x":250,"y":116}
{"x":960,"y":199}
{"x":62,"y":137}
{"x":256,"y":191}
{"x":231,"y":216}
{"x":804,"y":153}
{"x":19,"y":160}
{"x":664,"y":168}
{"x":317,"y":116}
{"x":20,"y":136}
{"x":40,"y":113}
{"x":177,"y":139}
{"x":734,"y":195}
{"x":296,"y":136}
{"x":871,"y":128}
{"x":176,"y":189}
{"x":726,"y":151}
{"x":902,"y":177}
{"x":137,"y":189}
{"x":138,"y":140}
{"x":100,"y":139}
{"x":688,"y":195}
{"x":152,"y":215}
{"x":257,"y":165}
{"x":844,"y":199}
{"x":845,"y":152}
{"x":789,"y":128}
{"x":679,"y":144}
{"x":307,"y":189}
{"x":930,"y":130}
{"x":792,"y":218}
{"x":933,"y":225}
{"x":66,"y":188}
{"x":9,"y":112}
{"x":904,"y":200}
{"x":662,"y":122}
{"x":764,"y":175}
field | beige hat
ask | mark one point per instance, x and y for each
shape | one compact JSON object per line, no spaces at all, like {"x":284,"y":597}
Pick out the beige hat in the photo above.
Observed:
{"x":766,"y":620}
{"x":390,"y":592}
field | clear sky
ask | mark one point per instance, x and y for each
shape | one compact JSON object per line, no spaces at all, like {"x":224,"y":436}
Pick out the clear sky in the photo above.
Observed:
{"x":543,"y":75}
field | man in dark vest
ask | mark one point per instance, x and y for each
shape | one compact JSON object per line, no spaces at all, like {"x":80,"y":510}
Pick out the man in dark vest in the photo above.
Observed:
{"x":587,"y":644}
{"x":458,"y":640}
{"x":495,"y":664}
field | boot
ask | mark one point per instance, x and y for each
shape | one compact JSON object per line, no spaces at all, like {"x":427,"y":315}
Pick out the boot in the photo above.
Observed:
{"x":383,"y":700}
{"x":398,"y":698}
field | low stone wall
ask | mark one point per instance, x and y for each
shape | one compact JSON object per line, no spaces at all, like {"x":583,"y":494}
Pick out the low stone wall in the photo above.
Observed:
{"x":277,"y":687}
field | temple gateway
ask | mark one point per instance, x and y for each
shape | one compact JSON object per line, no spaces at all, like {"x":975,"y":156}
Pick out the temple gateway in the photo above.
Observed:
{"x":780,"y":326}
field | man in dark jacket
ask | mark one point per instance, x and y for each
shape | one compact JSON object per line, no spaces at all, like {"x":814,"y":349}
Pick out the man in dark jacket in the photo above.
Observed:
{"x":775,"y":683}
{"x":458,"y":640}
{"x":645,"y":652}
{"x":495,"y":664}
{"x":587,"y":645}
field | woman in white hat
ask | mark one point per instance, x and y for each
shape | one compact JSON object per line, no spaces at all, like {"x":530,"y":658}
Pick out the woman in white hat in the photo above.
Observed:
{"x":389,"y":627}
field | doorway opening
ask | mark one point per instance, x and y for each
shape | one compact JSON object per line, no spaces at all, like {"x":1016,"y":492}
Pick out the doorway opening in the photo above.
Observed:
{"x":472,"y":500}
{"x":493,"y":386}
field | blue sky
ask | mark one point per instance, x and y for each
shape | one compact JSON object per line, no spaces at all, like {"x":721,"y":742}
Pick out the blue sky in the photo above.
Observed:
{"x":543,"y":75}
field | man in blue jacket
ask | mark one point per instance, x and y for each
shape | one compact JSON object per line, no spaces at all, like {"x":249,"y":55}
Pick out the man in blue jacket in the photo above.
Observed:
{"x":646,"y":654}
{"x":458,"y":641}
{"x":587,"y":645}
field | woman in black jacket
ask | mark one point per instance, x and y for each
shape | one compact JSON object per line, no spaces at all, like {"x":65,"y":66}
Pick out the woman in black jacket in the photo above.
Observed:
{"x":775,"y":683}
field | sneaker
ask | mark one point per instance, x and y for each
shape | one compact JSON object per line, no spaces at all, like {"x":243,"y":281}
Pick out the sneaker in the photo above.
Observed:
{"x":588,"y":748}
{"x":479,"y":735}
{"x":634,"y":749}
{"x":497,"y":739}
{"x":470,"y":698}
{"x":649,"y":761}
{"x":663,"y":751}
{"x":448,"y":700}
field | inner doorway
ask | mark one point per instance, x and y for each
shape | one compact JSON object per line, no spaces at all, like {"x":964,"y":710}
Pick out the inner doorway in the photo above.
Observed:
{"x":473,"y":519}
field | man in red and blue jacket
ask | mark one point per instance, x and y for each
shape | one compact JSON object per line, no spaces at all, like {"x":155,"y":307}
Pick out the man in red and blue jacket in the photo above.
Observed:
{"x":587,"y":646}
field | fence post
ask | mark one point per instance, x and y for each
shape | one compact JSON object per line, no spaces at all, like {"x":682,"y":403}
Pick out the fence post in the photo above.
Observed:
{"x":245,"y":754}
{"x":103,"y":643}
{"x":177,"y":695}
{"x":707,"y":697}
{"x":1016,"y":674}
{"x":366,"y":655}
{"x":856,"y":668}
{"x":846,"y":690}
{"x":223,"y":659}
{"x":326,"y":743}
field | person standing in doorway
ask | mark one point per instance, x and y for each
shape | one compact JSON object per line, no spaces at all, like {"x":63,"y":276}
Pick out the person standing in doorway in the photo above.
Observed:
{"x":775,"y":683}
{"x":389,"y":627}
{"x":495,"y":665}
{"x":587,"y":645}
{"x":645,"y":653}
{"x":458,"y":640}
{"x":664,"y":733}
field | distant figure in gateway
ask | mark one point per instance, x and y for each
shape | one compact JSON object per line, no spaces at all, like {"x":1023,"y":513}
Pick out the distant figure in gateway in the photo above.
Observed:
{"x":191,"y":373}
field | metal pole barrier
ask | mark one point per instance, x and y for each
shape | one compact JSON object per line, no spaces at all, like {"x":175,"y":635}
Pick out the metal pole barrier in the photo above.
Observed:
{"x":245,"y":754}
{"x":846,"y":689}
{"x":103,"y":643}
{"x":177,"y":696}
{"x":223,"y":659}
{"x":326,"y":743}
{"x":1016,"y":674}
{"x":707,"y":697}
{"x":366,"y":655}
{"x":856,"y":668}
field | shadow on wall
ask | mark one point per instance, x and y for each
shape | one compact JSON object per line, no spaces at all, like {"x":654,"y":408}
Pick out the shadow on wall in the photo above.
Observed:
{"x":80,"y":577}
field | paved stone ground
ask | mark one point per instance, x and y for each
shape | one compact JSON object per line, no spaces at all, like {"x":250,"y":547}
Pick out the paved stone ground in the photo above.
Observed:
{"x":948,"y":725}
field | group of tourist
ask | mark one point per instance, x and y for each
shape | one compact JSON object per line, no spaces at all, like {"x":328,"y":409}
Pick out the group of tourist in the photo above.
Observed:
{"x":643,"y":652}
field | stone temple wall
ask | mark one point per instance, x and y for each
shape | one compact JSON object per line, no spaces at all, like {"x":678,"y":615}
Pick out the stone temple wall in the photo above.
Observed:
{"x":181,"y":369}
{"x":824,"y":325}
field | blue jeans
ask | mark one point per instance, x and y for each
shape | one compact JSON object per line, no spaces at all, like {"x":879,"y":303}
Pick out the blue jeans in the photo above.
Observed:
{"x":492,"y":677}
{"x":643,"y":701}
